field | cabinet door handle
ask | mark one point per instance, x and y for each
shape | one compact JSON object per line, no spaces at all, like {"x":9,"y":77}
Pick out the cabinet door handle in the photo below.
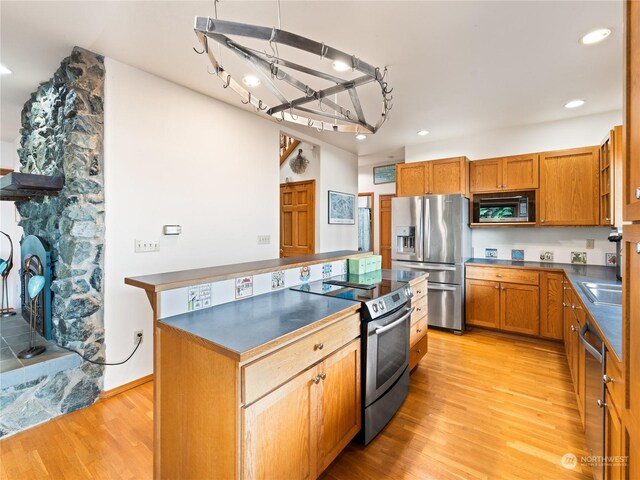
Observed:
{"x":576,"y":307}
{"x":498,"y":275}
{"x":542,"y":221}
{"x":638,"y":247}
{"x":322,"y":376}
{"x":607,"y":219}
{"x":573,"y":328}
{"x":638,"y":193}
{"x":564,"y":305}
{"x":502,"y":288}
{"x":418,"y":330}
{"x":419,"y":292}
{"x":504,"y":186}
{"x":316,"y":379}
{"x":601,"y":404}
{"x":497,"y":287}
{"x":318,"y":346}
{"x":607,"y":379}
{"x":418,"y":351}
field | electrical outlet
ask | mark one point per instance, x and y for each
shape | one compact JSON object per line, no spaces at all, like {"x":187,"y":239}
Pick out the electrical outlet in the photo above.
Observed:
{"x":147,"y":246}
{"x":591,"y":243}
{"x":264,"y":239}
{"x":138,"y":335}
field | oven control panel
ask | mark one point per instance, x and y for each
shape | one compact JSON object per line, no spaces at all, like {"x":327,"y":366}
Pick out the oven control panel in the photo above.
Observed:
{"x":386,"y":303}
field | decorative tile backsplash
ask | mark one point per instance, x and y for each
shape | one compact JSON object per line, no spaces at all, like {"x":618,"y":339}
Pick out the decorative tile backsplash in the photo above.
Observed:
{"x":546,"y":256}
{"x":491,"y":253}
{"x":579,"y":257}
{"x":196,"y":297}
{"x":517,"y":255}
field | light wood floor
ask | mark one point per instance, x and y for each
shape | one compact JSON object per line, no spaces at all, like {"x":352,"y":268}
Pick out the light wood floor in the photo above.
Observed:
{"x":481,"y":406}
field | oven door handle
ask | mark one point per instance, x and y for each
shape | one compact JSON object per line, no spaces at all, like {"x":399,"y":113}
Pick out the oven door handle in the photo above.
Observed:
{"x":389,"y":326}
{"x":590,"y":348}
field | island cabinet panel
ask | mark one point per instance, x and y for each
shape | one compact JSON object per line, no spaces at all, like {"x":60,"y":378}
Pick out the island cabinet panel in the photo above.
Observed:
{"x":339,"y":419}
{"x":483,"y":303}
{"x":520,"y":308}
{"x":569,"y":187}
{"x":195,"y":399}
{"x":274,"y":369}
{"x":278,"y":437}
{"x":418,"y":351}
{"x":411,"y":179}
{"x":551,"y":310}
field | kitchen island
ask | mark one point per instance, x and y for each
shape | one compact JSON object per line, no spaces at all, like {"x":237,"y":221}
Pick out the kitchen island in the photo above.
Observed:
{"x":263,"y":387}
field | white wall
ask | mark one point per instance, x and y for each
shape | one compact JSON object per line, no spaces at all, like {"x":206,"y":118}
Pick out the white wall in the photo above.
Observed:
{"x":577,"y":132}
{"x":9,"y":224}
{"x":365,"y":184}
{"x":176,"y":156}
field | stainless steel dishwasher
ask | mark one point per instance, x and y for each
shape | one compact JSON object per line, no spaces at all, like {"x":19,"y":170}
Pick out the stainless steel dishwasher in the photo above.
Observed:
{"x":594,"y":395}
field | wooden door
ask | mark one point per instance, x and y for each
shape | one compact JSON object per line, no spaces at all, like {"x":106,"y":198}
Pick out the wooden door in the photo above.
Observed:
{"x":569,"y":187}
{"x":520,"y":172}
{"x":339,"y":411}
{"x":385,"y":230}
{"x":485,"y":175}
{"x":411,"y":179}
{"x":279,"y":434}
{"x":632,"y":113}
{"x":551,"y":310}
{"x":483,"y":303}
{"x":447,"y":176}
{"x":520,"y":308}
{"x":297,"y":218}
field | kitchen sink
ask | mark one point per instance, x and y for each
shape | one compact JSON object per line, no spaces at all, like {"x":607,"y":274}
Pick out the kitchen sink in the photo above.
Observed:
{"x":602,"y":293}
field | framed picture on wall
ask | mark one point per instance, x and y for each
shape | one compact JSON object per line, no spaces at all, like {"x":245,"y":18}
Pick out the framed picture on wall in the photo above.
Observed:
{"x":384,"y":174}
{"x":342,"y":208}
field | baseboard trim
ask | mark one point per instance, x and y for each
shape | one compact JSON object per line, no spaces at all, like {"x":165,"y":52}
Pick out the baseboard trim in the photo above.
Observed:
{"x":127,"y":386}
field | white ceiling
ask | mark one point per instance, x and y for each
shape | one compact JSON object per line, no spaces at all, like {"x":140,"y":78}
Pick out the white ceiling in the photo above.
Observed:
{"x":457,"y":68}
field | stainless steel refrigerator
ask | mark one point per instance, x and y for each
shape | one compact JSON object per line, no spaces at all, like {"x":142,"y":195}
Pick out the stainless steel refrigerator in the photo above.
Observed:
{"x":431,"y":233}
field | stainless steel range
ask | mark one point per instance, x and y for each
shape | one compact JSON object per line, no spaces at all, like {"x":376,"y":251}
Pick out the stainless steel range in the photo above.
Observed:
{"x":386,"y":311}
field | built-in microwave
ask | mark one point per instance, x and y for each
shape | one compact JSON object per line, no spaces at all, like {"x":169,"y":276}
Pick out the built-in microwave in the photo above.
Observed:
{"x":512,"y":207}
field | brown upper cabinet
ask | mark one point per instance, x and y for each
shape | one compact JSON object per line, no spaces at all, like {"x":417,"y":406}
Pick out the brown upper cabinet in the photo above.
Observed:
{"x":632,"y":118}
{"x":518,"y":172}
{"x":569,"y":187}
{"x":434,"y":177}
{"x":611,"y":178}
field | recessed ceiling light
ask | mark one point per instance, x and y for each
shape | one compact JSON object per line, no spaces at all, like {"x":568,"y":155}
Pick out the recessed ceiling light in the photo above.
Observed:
{"x":4,"y":70}
{"x":574,"y":104}
{"x":595,"y":36}
{"x":422,"y":133}
{"x":251,"y":80}
{"x":339,"y":66}
{"x":361,"y":136}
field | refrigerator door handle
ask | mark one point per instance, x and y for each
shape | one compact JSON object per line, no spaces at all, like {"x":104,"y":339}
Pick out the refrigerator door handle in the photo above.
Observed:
{"x":427,"y":227}
{"x":435,"y":286}
{"x":429,"y":267}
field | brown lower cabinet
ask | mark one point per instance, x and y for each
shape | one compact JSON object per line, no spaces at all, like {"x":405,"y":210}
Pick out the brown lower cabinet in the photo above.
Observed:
{"x":511,"y":302}
{"x":614,"y":434}
{"x":418,"y":337}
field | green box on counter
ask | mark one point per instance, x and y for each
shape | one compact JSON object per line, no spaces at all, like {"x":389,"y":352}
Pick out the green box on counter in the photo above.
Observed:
{"x":358,"y":266}
{"x":362,"y":265}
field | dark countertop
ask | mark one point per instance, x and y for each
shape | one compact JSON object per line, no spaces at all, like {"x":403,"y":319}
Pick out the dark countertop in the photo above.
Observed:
{"x":607,"y":317}
{"x":184,"y":278}
{"x":239,"y":327}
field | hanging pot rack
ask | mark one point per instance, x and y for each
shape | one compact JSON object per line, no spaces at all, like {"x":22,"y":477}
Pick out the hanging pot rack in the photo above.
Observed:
{"x":269,"y":68}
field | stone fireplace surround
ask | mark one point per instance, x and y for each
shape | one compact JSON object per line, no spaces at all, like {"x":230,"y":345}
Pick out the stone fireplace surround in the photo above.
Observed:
{"x":62,"y":134}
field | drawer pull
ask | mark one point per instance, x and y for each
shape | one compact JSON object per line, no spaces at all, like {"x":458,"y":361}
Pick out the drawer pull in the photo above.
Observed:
{"x":601,"y":404}
{"x":322,"y":376}
{"x":419,"y":309}
{"x":498,"y":275}
{"x":419,"y":292}
{"x":607,"y":379}
{"x":418,"y":330}
{"x":318,"y":346}
{"x":418,"y":351}
{"x":316,"y":379}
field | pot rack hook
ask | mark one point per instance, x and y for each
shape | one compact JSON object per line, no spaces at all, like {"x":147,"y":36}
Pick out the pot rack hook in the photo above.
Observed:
{"x":205,"y":46}
{"x":248,"y":101}
{"x":226,"y":84}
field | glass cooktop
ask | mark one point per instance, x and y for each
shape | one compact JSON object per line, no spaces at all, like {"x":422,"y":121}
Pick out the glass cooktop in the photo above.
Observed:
{"x":359,"y":288}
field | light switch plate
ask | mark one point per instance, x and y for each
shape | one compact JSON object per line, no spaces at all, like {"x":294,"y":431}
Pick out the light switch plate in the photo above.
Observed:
{"x":147,"y":246}
{"x":591,"y":243}
{"x":264,"y":239}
